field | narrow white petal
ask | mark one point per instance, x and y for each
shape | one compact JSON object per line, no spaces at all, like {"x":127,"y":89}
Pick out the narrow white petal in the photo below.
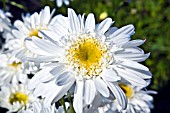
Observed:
{"x":89,"y":92}
{"x":131,"y":56}
{"x":57,"y":70}
{"x":35,"y":79}
{"x":63,"y":91}
{"x":110,"y":75}
{"x":133,"y":43}
{"x":110,"y":31}
{"x":18,"y":34}
{"x":78,"y":97}
{"x":90,"y":22}
{"x":101,"y":86}
{"x":48,"y":77}
{"x":119,"y":94}
{"x":64,"y":78}
{"x":74,"y":21}
{"x":47,"y":46}
{"x":45,"y":15}
{"x":133,"y":64}
{"x":132,"y":78}
{"x":128,"y":29}
{"x":141,"y":73}
{"x":104,"y":25}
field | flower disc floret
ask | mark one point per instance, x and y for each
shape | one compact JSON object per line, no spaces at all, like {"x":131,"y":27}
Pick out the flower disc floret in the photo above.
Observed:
{"x":18,"y":97}
{"x":87,"y":55}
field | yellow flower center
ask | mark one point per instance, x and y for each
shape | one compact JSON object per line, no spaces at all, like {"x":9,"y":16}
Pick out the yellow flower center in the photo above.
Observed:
{"x":18,"y":97}
{"x":34,"y":32}
{"x":128,"y":90}
{"x":15,"y":65}
{"x":86,"y":54}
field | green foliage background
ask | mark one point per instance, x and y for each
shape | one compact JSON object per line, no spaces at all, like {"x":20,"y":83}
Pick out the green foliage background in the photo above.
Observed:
{"x":151,"y":19}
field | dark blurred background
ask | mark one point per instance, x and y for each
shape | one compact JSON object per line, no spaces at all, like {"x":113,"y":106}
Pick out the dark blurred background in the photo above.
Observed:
{"x":151,"y":19}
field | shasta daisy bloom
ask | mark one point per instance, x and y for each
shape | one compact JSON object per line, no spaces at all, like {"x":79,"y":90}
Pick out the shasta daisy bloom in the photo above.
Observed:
{"x":29,"y":27}
{"x":15,"y":97}
{"x":11,"y":70}
{"x":139,"y":101}
{"x":94,"y":57}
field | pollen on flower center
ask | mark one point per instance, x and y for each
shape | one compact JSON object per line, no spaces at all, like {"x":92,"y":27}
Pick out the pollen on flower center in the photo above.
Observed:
{"x":34,"y":32}
{"x":15,"y":65}
{"x":86,"y":56}
{"x":128,"y":90}
{"x":18,"y":97}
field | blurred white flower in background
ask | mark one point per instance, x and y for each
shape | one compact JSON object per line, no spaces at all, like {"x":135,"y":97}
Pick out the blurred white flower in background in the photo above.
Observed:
{"x":5,"y":22}
{"x":139,"y":101}
{"x":59,"y":3}
{"x":11,"y":70}
{"x":28,"y":28}
{"x":15,"y":97}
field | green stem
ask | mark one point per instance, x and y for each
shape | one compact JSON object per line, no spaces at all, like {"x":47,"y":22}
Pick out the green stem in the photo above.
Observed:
{"x":71,"y":109}
{"x":62,"y":101}
{"x":4,"y":5}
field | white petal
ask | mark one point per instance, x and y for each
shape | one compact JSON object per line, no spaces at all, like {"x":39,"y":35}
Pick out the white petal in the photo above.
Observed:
{"x":89,"y":92}
{"x":63,"y":91}
{"x":35,"y":79}
{"x":59,"y":3}
{"x":101,"y":87}
{"x":132,"y":56}
{"x":47,"y":46}
{"x":52,"y":37}
{"x":18,"y":23}
{"x":90,"y":22}
{"x":57,"y":70}
{"x":110,"y":31}
{"x":48,"y":77}
{"x":128,"y":29}
{"x":141,"y":73}
{"x":64,"y":78}
{"x":133,"y":43}
{"x":119,"y":94}
{"x":120,"y":39}
{"x":78,"y":97}
{"x":18,"y":34}
{"x":74,"y":21}
{"x":45,"y":15}
{"x":110,"y":75}
{"x":132,"y":78}
{"x":133,"y":64}
{"x":104,"y":25}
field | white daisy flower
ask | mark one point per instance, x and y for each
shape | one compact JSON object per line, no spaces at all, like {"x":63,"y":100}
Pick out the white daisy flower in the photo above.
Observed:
{"x":11,"y":70}
{"x":139,"y":101}
{"x":15,"y":97}
{"x":93,"y":57}
{"x":29,"y":28}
